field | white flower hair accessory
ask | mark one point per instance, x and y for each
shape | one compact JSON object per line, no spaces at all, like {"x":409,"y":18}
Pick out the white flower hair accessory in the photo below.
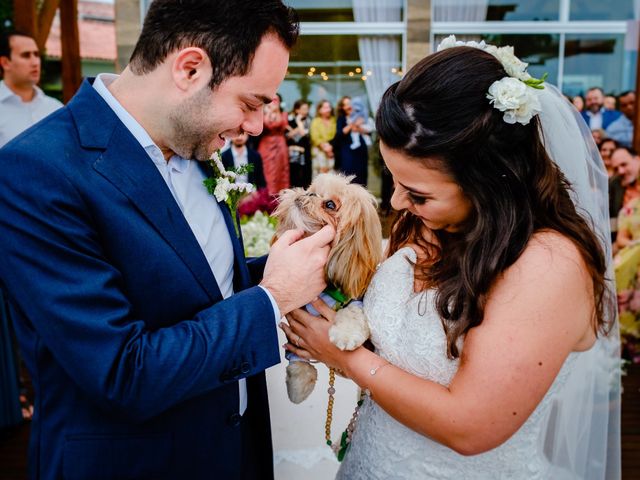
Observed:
{"x":518,"y":102}
{"x":515,"y":95}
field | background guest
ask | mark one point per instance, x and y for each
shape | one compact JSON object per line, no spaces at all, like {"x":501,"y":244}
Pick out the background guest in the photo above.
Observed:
{"x":596,"y":116}
{"x":578,"y":102}
{"x":352,"y":149}
{"x":299,"y":142}
{"x":322,"y":131}
{"x":273,"y":147}
{"x":609,"y":102}
{"x":623,"y":186}
{"x":20,"y":98}
{"x":598,"y":135}
{"x":606,"y":147}
{"x":621,"y":130}
{"x":240,"y":154}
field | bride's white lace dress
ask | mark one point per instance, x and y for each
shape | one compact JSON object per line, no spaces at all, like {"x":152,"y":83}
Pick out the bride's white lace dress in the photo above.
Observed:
{"x":383,"y":448}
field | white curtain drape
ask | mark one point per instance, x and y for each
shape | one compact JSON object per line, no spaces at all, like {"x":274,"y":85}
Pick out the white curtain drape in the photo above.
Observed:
{"x":460,"y":10}
{"x":379,"y":54}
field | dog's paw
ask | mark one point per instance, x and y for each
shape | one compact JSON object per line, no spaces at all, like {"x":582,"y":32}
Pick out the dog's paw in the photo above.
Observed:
{"x":350,"y":329}
{"x":301,"y":379}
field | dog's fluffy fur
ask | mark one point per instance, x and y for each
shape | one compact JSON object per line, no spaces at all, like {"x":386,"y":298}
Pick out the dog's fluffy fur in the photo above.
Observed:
{"x":355,"y":253}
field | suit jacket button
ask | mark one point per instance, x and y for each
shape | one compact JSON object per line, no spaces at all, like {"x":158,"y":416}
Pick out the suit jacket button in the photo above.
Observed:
{"x":234,"y":419}
{"x":245,"y":368}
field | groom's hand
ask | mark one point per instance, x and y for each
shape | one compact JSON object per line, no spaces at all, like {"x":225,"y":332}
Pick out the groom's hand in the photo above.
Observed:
{"x":294,"y":273}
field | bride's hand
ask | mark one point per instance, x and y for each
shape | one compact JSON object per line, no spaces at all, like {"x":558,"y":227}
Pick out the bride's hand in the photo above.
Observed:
{"x":308,"y":335}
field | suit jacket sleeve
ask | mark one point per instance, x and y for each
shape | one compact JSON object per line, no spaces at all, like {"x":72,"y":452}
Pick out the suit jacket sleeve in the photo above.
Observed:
{"x":59,"y":277}
{"x":258,"y":173}
{"x":227,"y":159}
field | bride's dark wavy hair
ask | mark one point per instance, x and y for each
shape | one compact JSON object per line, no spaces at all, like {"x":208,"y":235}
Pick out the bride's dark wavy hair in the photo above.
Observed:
{"x":439,"y":116}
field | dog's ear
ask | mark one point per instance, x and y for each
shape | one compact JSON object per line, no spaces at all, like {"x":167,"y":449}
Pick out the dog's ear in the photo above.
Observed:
{"x":357,"y":249}
{"x":286,"y":200}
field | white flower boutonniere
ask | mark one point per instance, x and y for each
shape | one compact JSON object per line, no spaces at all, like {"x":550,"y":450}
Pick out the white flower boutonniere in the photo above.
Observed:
{"x":224,"y":186}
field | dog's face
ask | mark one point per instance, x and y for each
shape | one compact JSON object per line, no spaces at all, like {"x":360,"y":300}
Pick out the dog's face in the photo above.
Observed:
{"x":351,"y":210}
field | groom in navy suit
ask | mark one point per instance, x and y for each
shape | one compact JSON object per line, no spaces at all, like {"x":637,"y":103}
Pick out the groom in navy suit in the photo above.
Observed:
{"x":137,"y":315}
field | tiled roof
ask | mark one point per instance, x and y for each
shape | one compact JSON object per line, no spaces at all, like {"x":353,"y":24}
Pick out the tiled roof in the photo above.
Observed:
{"x":97,"y":32}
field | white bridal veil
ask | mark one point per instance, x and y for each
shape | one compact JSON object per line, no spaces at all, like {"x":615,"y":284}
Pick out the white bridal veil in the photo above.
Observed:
{"x":582,"y":438}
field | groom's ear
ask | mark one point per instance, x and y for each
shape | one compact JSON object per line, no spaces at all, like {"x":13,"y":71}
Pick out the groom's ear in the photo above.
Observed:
{"x":191,"y":69}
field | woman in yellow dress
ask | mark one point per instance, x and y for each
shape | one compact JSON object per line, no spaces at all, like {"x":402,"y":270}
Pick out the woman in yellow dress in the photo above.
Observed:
{"x":627,"y":269}
{"x":322,"y":131}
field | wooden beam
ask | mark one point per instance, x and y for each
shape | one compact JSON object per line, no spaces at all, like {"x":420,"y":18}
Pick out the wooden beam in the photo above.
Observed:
{"x":70,"y":40}
{"x":45,"y":19}
{"x":636,"y":121}
{"x":25,"y":17}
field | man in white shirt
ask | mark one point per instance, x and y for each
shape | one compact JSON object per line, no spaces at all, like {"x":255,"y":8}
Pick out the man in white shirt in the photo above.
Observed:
{"x":146,"y":328}
{"x":594,"y":113}
{"x":239,"y":154}
{"x":22,"y":103}
{"x":621,"y":130}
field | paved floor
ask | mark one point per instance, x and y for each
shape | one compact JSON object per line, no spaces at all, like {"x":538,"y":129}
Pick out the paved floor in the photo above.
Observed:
{"x":298,"y":430}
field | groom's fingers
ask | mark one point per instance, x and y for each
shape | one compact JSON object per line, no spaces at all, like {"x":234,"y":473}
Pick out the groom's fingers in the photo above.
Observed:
{"x":321,"y":238}
{"x":290,"y":237}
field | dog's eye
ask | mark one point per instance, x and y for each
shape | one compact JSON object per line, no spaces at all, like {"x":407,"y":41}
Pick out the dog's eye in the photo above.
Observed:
{"x":329,"y":204}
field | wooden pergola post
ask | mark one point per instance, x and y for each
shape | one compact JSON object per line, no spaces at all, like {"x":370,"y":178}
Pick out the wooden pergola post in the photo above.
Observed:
{"x":28,"y":19}
{"x":25,"y":16}
{"x":70,"y":39}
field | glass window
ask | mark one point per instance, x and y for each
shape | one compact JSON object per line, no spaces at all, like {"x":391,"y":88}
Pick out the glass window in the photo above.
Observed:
{"x":602,"y":10}
{"x":495,"y":10}
{"x":596,"y":60}
{"x":342,"y":10}
{"x":330,"y":66}
{"x":540,"y":51}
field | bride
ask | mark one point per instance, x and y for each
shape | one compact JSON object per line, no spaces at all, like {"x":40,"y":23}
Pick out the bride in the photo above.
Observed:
{"x":492,"y":318}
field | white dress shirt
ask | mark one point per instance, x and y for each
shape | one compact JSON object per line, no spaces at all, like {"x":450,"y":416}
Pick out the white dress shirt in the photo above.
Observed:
{"x":17,"y":115}
{"x":201,"y":210}
{"x":595,"y":119}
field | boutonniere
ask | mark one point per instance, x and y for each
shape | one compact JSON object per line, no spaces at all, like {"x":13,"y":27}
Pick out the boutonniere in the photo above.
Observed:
{"x":224,"y":185}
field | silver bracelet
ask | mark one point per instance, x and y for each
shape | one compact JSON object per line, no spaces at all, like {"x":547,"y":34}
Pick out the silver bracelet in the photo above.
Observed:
{"x":373,"y":371}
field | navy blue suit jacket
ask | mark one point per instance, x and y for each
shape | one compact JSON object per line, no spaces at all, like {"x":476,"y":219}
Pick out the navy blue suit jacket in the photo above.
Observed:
{"x":256,"y":176}
{"x":135,"y":359}
{"x":608,"y":116}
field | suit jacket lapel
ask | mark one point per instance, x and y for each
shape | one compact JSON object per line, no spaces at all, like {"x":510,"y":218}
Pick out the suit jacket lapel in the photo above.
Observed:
{"x":127,"y":166}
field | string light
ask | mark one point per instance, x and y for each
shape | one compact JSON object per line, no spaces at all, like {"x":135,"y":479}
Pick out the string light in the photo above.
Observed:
{"x":364,"y":78}
{"x":358,"y":70}
{"x":369,"y":73}
{"x":351,"y":74}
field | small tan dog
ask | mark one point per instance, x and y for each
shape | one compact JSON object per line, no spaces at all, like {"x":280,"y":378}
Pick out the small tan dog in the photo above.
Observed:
{"x":355,"y":253}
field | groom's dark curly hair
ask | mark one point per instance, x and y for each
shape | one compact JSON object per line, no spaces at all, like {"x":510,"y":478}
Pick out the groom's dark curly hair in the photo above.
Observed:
{"x":229,"y":31}
{"x":439,"y":116}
